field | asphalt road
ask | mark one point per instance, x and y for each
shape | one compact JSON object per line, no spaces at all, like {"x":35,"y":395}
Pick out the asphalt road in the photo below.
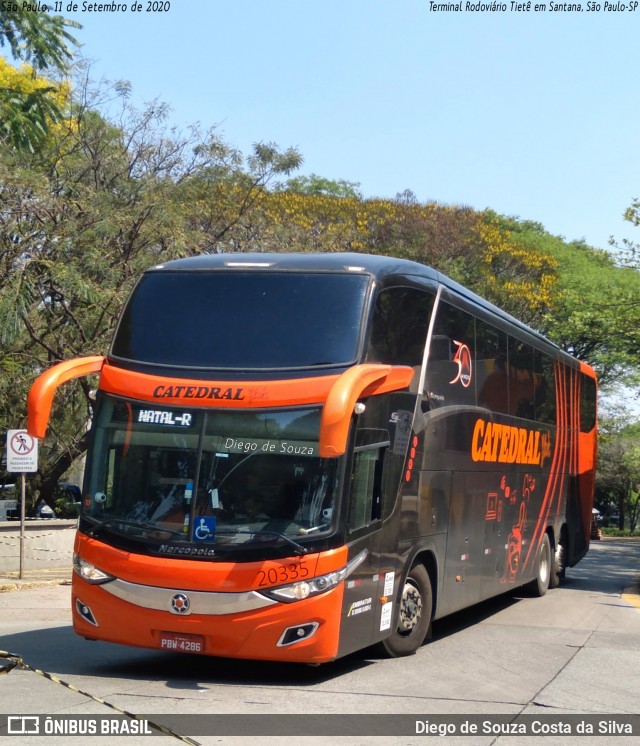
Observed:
{"x":570,"y":657}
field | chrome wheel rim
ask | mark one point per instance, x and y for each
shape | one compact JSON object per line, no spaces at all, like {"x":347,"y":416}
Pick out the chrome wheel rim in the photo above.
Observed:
{"x":410,"y":608}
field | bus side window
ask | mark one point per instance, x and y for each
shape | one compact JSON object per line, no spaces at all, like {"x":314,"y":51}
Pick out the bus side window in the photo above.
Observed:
{"x":453,"y":336}
{"x":399,"y":326}
{"x":491,"y":368}
{"x":366,"y":489}
{"x":545,"y":400}
{"x":521,"y":379}
{"x":588,"y":396}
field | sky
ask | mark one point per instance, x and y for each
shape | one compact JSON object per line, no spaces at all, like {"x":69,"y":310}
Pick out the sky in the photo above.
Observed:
{"x":534,"y":114}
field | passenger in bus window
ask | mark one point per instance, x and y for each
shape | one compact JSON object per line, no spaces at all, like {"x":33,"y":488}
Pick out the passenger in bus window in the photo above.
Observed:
{"x":494,"y":392}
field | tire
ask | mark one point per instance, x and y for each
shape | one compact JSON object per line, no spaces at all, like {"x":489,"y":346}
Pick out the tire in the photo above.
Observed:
{"x":540,"y":585}
{"x":414,"y":615}
{"x":559,"y":565}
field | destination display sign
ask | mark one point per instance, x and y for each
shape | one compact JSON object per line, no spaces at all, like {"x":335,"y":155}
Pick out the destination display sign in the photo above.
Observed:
{"x":165,"y":417}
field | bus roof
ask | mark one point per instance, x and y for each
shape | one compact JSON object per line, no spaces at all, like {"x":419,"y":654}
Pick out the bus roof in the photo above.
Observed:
{"x":378,"y":266}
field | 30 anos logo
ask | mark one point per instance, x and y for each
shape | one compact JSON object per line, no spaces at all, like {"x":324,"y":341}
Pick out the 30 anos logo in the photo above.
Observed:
{"x":463,"y":360}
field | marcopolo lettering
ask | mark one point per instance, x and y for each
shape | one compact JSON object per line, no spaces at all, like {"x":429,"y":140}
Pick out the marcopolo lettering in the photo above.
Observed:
{"x":506,"y":444}
{"x":198,"y":392}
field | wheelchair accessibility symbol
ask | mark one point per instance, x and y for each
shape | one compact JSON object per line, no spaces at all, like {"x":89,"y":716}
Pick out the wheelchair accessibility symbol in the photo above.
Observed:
{"x":205,"y":529}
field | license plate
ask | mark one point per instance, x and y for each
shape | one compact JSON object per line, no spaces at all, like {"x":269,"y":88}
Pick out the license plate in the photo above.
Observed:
{"x":181,"y":643}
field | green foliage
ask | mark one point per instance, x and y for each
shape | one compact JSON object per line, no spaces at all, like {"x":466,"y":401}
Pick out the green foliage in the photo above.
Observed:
{"x":618,"y":474}
{"x":38,"y":38}
{"x":319,"y":186}
{"x":618,"y":532}
{"x":30,"y":105}
{"x":26,"y":116}
{"x":595,"y":313}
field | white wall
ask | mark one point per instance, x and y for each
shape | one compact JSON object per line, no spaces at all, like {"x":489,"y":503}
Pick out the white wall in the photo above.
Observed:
{"x":48,"y":545}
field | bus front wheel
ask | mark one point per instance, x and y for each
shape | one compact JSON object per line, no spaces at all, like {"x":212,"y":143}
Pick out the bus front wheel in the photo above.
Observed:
{"x":414,"y":615}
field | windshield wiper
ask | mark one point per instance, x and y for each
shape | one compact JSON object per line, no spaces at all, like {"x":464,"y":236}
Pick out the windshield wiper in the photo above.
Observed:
{"x":114,"y":522}
{"x":298,"y":547}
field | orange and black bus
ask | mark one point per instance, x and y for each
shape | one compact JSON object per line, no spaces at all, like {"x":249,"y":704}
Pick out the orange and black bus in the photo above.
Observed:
{"x":294,"y":457}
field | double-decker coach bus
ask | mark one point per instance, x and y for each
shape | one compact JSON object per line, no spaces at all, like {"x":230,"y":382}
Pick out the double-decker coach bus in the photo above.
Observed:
{"x":297,"y":456}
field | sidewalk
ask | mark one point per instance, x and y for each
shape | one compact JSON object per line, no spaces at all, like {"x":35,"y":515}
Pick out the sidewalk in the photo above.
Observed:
{"x":34,"y":578}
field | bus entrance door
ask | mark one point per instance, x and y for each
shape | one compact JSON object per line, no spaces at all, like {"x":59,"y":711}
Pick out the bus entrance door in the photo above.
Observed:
{"x":361,"y":607}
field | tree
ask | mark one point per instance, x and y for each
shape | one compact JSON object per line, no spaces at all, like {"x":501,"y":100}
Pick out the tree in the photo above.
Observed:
{"x":618,"y":475}
{"x":628,"y":253}
{"x":517,"y":276}
{"x":320,"y":186}
{"x":472,"y":247}
{"x":99,"y":203}
{"x":594,"y":311}
{"x":29,"y":103}
{"x":37,"y":37}
{"x":29,"y":106}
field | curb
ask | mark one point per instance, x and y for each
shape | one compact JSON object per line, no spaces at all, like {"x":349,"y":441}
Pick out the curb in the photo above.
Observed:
{"x":8,"y":585}
{"x":632,"y":595}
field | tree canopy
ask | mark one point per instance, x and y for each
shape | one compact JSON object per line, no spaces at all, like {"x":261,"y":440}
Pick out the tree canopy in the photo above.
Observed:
{"x":618,"y":476}
{"x":29,"y":103}
{"x":595,"y":311}
{"x":37,"y":37}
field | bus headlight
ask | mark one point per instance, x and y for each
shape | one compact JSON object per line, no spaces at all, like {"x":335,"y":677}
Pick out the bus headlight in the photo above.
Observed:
{"x":302,"y":589}
{"x":90,"y":572}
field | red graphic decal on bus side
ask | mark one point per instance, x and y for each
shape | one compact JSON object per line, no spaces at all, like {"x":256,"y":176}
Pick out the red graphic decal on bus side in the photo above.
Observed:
{"x":565,"y":454}
{"x":508,"y":496}
{"x":463,"y":360}
{"x":513,"y":559}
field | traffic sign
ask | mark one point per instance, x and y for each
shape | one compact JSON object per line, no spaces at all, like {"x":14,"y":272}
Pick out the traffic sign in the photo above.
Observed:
{"x":22,"y":452}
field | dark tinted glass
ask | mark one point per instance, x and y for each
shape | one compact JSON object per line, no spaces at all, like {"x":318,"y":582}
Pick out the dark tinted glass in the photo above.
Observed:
{"x":399,"y":326}
{"x":545,"y":398}
{"x":588,"y":396}
{"x":491,"y":368}
{"x":247,"y":320}
{"x":451,"y":377}
{"x":521,"y":379}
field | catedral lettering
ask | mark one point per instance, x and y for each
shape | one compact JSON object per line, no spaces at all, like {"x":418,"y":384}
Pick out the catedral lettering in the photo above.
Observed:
{"x":198,"y":392}
{"x":263,"y":495}
{"x":506,"y":444}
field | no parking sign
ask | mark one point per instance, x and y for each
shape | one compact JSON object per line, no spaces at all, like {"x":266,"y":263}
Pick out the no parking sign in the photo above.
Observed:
{"x":22,"y":452}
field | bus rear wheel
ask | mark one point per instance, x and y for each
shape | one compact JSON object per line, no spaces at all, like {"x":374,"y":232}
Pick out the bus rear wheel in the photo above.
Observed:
{"x":559,"y":565}
{"x":539,"y":586}
{"x":414,"y":615}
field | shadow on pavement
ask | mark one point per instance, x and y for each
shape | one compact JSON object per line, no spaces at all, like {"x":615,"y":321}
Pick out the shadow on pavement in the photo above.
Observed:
{"x":60,"y":651}
{"x":608,"y":568}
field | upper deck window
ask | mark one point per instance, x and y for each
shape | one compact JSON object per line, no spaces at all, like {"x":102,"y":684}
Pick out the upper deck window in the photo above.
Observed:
{"x":243,"y":320}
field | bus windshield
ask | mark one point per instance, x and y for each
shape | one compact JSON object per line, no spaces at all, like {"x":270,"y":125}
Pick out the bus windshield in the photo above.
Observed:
{"x":219,"y":477}
{"x":231,"y":320}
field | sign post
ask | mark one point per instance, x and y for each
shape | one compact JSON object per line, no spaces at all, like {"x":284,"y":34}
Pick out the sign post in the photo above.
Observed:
{"x":22,"y":457}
